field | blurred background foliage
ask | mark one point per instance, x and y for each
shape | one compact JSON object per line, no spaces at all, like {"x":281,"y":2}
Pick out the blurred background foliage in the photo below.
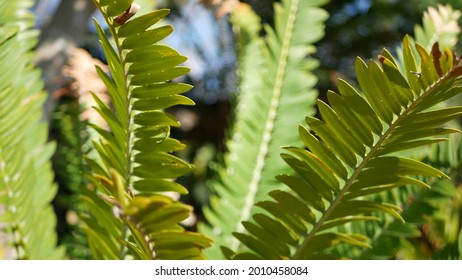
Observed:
{"x":206,"y":35}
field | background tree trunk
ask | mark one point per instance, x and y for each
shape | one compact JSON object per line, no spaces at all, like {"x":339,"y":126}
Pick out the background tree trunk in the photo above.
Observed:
{"x":62,"y":33}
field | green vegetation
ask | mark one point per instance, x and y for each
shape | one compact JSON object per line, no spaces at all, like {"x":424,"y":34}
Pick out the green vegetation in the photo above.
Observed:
{"x":365,"y":173}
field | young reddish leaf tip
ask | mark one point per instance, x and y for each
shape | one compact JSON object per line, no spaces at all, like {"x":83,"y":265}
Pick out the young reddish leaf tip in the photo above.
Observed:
{"x":125,"y":16}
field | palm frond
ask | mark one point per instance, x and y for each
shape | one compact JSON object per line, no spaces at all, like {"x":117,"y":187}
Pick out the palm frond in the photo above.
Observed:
{"x":130,"y":214}
{"x":26,"y":177}
{"x":352,"y":155}
{"x":276,"y":91}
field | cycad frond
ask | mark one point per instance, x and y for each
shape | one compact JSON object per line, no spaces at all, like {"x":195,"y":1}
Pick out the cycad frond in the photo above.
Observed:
{"x":432,"y":221}
{"x":136,"y":168}
{"x":447,"y":156}
{"x":352,"y":154}
{"x":439,"y":25}
{"x":276,"y":92}
{"x":26,"y":178}
{"x":442,"y":25}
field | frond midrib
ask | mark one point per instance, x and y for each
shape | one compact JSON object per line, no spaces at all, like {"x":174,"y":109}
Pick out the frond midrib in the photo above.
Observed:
{"x":129,"y":138}
{"x":123,"y":228}
{"x":270,"y":120}
{"x":372,"y":154}
{"x":127,"y":96}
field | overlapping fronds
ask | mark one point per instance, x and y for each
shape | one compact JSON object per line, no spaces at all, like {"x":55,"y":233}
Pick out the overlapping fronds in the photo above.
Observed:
{"x":431,"y":228}
{"x":131,"y":217}
{"x":352,"y":156}
{"x":431,"y":215}
{"x":447,"y":156}
{"x":422,"y":208}
{"x":438,"y":25}
{"x":26,"y":178}
{"x":276,"y":93}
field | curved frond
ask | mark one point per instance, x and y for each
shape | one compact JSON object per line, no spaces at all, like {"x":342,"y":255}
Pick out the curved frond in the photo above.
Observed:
{"x":135,"y":168}
{"x":26,"y":177}
{"x":276,"y":91}
{"x":352,"y":154}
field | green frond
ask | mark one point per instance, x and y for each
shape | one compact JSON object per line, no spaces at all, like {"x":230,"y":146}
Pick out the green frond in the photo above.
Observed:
{"x":390,"y":237}
{"x":431,"y":215}
{"x":440,"y":25}
{"x":130,"y":214}
{"x":247,"y":26}
{"x":276,"y":92}
{"x":26,"y":178}
{"x":447,"y":156}
{"x":352,"y":152}
{"x":426,"y":210}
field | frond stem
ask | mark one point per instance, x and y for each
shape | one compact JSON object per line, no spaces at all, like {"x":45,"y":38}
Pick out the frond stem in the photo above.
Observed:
{"x":267,"y":135}
{"x":128,"y":151}
{"x":372,"y":154}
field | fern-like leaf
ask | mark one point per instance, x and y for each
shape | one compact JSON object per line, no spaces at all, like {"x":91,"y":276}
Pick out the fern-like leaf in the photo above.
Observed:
{"x":352,"y":155}
{"x":26,"y":177}
{"x":427,"y":210}
{"x":130,"y":214}
{"x":276,"y":91}
{"x":439,"y":25}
